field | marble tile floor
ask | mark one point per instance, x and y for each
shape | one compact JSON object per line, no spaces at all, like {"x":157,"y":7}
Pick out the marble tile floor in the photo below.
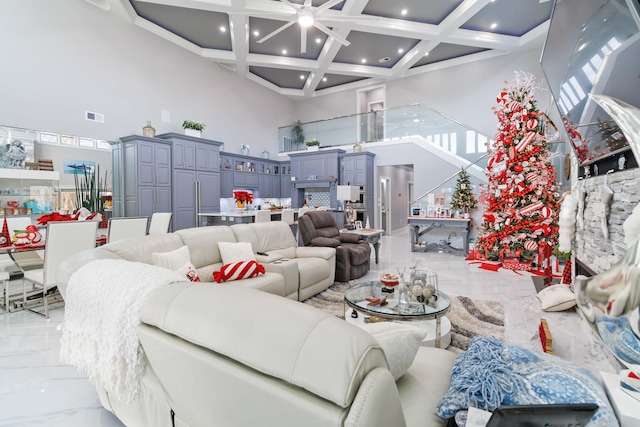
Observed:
{"x":36,"y":389}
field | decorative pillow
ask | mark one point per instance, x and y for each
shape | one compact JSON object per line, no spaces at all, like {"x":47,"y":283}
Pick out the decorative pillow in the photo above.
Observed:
{"x":400,"y":343}
{"x":172,"y":260}
{"x":190,"y":271}
{"x":617,"y":334}
{"x":238,"y":270}
{"x":556,"y":298}
{"x":231,"y":252}
{"x":491,"y":373}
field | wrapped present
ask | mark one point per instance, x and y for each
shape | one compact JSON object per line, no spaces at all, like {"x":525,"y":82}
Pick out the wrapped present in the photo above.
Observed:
{"x":516,"y":264}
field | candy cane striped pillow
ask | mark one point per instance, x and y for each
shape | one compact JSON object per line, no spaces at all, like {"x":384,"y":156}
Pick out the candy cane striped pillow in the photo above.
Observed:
{"x":238,"y":270}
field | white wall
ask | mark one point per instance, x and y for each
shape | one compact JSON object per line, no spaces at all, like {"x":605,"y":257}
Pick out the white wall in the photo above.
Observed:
{"x":63,"y":57}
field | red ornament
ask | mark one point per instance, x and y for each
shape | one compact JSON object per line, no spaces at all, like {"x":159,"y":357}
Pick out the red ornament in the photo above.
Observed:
{"x":531,"y":245}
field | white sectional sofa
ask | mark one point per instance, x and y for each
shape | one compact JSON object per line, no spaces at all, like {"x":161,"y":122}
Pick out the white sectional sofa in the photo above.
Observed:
{"x":229,"y":355}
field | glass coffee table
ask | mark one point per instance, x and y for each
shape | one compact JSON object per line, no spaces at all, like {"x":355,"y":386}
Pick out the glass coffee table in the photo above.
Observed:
{"x":430,"y":317}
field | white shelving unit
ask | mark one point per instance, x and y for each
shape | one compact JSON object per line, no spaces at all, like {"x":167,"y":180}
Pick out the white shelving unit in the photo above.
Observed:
{"x":39,"y":189}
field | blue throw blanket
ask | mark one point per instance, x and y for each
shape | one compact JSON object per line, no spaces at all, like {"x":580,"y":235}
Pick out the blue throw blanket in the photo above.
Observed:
{"x":491,"y":373}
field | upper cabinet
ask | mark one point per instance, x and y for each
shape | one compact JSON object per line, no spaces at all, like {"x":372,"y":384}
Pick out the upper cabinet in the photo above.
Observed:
{"x":316,"y":165}
{"x":357,"y":169}
{"x":193,"y":153}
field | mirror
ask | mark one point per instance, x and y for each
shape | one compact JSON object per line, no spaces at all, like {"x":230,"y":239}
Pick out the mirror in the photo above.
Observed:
{"x":611,"y":302}
{"x":603,"y":60}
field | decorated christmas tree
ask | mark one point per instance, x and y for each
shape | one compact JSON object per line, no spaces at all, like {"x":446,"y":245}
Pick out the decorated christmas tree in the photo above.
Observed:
{"x":463,"y":198}
{"x":520,"y":198}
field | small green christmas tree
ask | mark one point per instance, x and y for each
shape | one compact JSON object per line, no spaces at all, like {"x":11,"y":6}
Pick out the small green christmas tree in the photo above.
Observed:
{"x":463,"y":199}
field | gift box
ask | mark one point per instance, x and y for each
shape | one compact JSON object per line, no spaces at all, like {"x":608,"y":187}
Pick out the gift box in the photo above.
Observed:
{"x":516,"y":264}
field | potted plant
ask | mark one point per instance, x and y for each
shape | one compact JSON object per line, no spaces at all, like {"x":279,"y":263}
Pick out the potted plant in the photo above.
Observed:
{"x":193,"y":128}
{"x":312,"y":144}
{"x":90,"y":191}
{"x":298,"y":133}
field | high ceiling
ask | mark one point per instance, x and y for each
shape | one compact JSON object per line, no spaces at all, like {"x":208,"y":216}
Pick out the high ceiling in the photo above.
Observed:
{"x":388,"y":39}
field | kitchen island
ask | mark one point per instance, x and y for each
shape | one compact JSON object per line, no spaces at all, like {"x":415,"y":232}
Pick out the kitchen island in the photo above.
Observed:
{"x":235,"y":217}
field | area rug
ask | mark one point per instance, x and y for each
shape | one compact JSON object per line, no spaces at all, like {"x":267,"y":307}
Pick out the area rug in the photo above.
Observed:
{"x":468,"y":317}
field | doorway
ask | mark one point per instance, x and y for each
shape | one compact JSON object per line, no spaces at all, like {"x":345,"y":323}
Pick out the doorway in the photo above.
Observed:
{"x":371,"y":124}
{"x":385,"y":204}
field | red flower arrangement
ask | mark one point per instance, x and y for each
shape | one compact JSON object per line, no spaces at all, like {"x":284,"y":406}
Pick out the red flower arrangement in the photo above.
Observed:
{"x":243,"y":196}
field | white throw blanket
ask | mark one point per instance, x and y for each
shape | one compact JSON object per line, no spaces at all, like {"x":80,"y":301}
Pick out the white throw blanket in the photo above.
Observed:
{"x":103,"y":305}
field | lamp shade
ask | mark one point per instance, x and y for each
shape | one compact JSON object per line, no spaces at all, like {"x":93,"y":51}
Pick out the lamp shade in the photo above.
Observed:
{"x":348,"y":192}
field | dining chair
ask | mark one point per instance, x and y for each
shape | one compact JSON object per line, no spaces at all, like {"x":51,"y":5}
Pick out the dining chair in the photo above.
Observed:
{"x":4,"y":278}
{"x":126,"y":228}
{"x":160,"y":222}
{"x":288,"y":216}
{"x":64,"y":238}
{"x":263,"y":216}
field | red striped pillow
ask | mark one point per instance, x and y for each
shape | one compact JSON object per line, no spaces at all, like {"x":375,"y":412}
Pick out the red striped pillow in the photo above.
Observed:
{"x":238,"y":270}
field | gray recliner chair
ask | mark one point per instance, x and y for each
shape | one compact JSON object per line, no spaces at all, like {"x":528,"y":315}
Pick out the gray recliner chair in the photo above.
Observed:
{"x":353,"y":255}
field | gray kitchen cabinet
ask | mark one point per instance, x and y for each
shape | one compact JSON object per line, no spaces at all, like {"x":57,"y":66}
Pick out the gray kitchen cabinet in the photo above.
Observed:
{"x":265,"y":186}
{"x":226,"y":184}
{"x":145,"y":178}
{"x":316,"y":165}
{"x":193,"y":153}
{"x":194,"y":192}
{"x":247,"y":180}
{"x":357,"y":169}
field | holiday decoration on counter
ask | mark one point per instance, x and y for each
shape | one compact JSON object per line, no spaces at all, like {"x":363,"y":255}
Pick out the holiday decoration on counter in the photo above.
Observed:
{"x":242,"y":197}
{"x":520,"y":199}
{"x":463,"y":198}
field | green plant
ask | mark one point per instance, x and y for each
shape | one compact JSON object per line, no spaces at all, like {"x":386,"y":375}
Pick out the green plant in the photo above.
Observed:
{"x":311,"y":142}
{"x":192,"y":124}
{"x":89,"y":189}
{"x":298,"y":133}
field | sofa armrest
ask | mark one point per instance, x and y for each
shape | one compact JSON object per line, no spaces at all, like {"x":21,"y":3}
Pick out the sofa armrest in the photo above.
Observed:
{"x":325,"y":241}
{"x":315,"y":252}
{"x":377,"y":402}
{"x":267,"y":259}
{"x":350,"y":237}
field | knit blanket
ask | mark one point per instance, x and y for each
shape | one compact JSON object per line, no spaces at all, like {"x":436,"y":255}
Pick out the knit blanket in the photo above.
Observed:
{"x":103,"y":307}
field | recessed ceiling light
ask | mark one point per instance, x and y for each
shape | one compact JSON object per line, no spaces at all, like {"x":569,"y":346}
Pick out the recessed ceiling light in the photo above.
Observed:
{"x":284,"y":51}
{"x":416,"y":120}
{"x":363,"y":60}
{"x":404,"y":11}
{"x":256,"y":33}
{"x":324,"y":79}
{"x":401,"y":50}
{"x":494,"y":25}
{"x":223,"y":29}
{"x":426,"y":54}
{"x":301,"y":76}
{"x":318,"y":40}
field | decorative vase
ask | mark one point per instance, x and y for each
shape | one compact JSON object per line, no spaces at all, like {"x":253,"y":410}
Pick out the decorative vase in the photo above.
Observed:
{"x":357,"y":147}
{"x":313,"y":147}
{"x":240,"y":204}
{"x":193,"y":132}
{"x":149,"y":131}
{"x":265,"y":154}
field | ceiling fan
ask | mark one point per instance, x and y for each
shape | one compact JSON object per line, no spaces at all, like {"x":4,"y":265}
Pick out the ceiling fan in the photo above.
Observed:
{"x":306,"y":16}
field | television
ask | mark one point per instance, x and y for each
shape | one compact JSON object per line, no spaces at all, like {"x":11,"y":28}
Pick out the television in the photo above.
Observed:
{"x":593,"y":46}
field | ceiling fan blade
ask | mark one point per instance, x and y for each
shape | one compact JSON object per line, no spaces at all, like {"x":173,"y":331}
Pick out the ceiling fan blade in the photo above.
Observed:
{"x":330,"y":33}
{"x":273,"y":33}
{"x":303,"y":39}
{"x":327,"y":5}
{"x":288,"y":3}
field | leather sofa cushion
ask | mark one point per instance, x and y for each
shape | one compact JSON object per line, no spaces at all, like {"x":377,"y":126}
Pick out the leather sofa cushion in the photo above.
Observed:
{"x":295,"y":342}
{"x":312,"y":270}
{"x":203,"y":243}
{"x":141,"y":249}
{"x":267,"y":237}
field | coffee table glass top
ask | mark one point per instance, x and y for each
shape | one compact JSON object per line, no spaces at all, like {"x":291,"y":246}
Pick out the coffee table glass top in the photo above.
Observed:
{"x":355,"y":297}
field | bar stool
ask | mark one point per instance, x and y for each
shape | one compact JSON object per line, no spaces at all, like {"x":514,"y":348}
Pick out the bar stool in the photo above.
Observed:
{"x":4,"y":278}
{"x":263,"y":216}
{"x":288,"y":216}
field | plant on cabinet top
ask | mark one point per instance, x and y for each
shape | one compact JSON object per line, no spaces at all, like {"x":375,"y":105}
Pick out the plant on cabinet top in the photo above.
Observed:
{"x":192,"y":124}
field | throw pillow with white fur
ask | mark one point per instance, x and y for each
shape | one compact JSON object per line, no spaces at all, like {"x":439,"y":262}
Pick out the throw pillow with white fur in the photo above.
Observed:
{"x":556,"y":298}
{"x":400,"y":343}
{"x":232,"y":252}
{"x":171,"y":260}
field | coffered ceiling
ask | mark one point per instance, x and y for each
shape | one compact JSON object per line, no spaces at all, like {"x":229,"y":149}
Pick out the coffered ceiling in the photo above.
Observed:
{"x":387,"y":39}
